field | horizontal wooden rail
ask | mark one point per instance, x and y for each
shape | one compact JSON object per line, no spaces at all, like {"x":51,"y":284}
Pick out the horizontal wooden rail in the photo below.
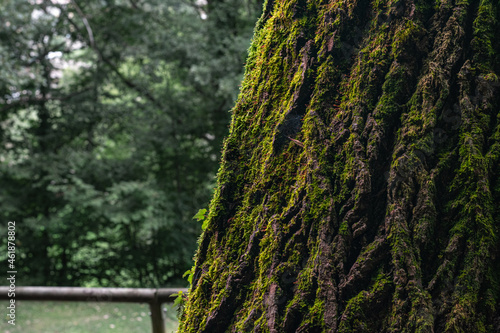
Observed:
{"x":154,"y":297}
{"x":134,"y":295}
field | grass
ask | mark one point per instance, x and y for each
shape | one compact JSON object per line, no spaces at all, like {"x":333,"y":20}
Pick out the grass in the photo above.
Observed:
{"x":84,"y":317}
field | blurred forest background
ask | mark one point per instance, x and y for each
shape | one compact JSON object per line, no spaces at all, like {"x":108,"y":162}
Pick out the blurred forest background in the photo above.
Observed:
{"x":112,"y":116}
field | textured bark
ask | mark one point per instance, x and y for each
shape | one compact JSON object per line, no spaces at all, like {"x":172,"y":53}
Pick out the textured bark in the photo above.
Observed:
{"x":359,"y":189}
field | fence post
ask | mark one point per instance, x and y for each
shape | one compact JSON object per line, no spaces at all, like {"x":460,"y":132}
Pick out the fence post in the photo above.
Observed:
{"x":156,"y":315}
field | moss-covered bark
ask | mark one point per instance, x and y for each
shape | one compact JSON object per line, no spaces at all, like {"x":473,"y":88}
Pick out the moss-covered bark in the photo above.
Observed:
{"x":359,"y":189}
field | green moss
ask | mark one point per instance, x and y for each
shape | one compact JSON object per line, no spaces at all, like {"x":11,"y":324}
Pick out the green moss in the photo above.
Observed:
{"x":484,"y":33}
{"x":357,"y":316}
{"x":364,"y":150}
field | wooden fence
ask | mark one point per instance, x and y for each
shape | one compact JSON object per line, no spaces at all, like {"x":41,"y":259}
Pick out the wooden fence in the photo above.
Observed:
{"x":154,"y":297}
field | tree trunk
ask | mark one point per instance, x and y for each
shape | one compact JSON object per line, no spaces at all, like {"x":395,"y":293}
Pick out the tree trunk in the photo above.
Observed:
{"x":359,"y":189}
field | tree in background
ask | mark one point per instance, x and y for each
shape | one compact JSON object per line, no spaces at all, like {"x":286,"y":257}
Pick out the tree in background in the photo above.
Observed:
{"x":112,"y":117}
{"x":359,"y":186}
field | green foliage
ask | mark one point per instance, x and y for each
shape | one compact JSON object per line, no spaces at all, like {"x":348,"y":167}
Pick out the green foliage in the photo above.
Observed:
{"x":180,"y":301}
{"x":111,"y":119}
{"x":201,"y":216}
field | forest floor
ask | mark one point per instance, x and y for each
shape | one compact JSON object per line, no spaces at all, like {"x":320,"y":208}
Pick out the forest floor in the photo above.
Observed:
{"x":80,"y":317}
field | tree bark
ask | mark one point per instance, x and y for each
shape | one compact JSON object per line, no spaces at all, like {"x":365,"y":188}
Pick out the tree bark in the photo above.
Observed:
{"x":359,"y":189}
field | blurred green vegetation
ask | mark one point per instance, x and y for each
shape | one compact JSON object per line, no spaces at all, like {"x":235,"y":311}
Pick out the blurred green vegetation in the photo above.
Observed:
{"x":78,"y":317}
{"x":112,"y":114}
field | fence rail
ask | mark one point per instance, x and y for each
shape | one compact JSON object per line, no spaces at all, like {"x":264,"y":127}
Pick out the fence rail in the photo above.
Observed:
{"x":154,"y":297}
